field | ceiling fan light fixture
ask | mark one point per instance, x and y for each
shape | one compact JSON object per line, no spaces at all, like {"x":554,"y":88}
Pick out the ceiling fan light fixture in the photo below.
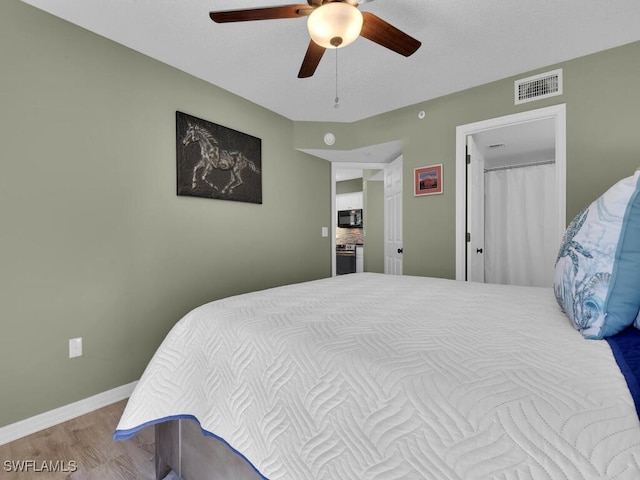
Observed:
{"x":335,"y":24}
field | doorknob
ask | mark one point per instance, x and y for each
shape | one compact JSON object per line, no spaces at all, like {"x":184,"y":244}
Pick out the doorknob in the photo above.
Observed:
{"x":478,"y":250}
{"x":400,"y":250}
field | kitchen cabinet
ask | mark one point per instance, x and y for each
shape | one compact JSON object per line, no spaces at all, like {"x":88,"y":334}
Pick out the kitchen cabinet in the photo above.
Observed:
{"x":359,"y":259}
{"x":349,"y":201}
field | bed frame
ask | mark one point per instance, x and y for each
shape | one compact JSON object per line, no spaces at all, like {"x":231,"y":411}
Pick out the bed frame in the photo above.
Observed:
{"x":182,"y":447}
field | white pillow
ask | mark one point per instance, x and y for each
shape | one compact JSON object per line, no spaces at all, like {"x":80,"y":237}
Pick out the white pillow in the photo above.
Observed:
{"x":597,"y":280}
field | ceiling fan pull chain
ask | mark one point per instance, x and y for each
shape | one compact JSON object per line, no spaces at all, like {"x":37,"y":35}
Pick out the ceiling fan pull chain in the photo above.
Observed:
{"x":337,"y":104}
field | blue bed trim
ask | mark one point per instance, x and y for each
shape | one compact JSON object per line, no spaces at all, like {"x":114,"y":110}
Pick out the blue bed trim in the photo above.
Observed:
{"x":126,"y":434}
{"x":626,"y":350}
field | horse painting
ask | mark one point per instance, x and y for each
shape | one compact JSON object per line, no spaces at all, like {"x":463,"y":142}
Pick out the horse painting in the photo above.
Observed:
{"x":212,"y":158}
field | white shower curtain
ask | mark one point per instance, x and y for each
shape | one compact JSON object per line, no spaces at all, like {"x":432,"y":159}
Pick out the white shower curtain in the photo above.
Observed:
{"x":520,"y":211}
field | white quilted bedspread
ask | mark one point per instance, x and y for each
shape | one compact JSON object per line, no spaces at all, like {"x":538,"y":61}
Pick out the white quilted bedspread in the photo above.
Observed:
{"x":369,"y":376}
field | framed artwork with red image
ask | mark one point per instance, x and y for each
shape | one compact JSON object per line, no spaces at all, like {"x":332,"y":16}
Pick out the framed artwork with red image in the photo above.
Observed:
{"x":427,"y":180}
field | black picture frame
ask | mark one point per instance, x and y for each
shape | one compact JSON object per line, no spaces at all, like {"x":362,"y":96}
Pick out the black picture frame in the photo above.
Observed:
{"x":213,"y":161}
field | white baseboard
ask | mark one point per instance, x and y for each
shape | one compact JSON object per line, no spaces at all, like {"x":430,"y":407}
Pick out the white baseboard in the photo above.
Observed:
{"x":48,"y":419}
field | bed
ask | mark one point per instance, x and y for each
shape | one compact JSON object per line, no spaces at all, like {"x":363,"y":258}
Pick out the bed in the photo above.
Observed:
{"x":380,"y":376}
{"x":372,"y":376}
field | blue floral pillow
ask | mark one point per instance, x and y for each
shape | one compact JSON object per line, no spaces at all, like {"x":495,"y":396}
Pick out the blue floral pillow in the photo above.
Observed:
{"x":597,"y":280}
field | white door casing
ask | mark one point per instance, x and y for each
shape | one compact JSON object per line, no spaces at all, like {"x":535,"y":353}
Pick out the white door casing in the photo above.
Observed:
{"x":393,"y":217}
{"x":558,"y":113}
{"x":335,"y":167}
{"x":475,"y":213}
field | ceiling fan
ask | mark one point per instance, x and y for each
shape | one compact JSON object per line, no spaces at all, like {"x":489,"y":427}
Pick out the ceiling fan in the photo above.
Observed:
{"x":331,"y":24}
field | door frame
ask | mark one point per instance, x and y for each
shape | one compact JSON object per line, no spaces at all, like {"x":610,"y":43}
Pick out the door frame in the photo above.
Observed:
{"x":475,"y":265}
{"x":557,"y":112}
{"x":334,"y":212}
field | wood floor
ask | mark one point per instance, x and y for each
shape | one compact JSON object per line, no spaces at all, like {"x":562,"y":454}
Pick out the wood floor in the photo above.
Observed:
{"x":81,"y":449}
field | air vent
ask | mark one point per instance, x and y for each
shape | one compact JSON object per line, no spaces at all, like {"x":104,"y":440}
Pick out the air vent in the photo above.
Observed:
{"x":537,"y":87}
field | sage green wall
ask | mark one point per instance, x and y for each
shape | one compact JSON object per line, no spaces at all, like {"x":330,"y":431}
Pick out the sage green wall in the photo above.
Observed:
{"x":373,"y":198}
{"x":349,"y":186}
{"x":94,"y":242}
{"x":603,"y":114}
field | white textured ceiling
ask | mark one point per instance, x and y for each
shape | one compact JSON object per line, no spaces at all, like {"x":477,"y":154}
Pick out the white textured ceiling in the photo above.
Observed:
{"x":465,"y":43}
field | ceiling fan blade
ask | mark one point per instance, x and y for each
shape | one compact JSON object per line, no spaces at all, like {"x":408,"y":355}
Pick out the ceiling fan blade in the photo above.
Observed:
{"x":385,"y":34}
{"x":311,"y":60}
{"x":267,"y":13}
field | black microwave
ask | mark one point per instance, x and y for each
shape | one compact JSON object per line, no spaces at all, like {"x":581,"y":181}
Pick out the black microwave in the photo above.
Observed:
{"x":350,"y":218}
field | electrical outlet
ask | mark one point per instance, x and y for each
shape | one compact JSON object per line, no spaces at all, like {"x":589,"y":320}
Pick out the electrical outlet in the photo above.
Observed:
{"x":75,"y":347}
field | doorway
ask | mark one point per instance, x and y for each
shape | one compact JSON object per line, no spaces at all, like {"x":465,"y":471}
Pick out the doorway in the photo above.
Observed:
{"x":471,"y":246}
{"x":345,"y":171}
{"x":375,"y":236}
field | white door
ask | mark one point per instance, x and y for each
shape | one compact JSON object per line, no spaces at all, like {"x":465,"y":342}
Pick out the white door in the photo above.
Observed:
{"x":393,"y":217}
{"x":475,"y":212}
